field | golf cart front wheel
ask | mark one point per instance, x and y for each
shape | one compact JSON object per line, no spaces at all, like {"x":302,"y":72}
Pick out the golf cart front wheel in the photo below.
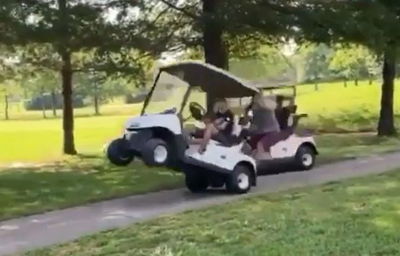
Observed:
{"x":118,"y":153}
{"x":156,"y":152}
{"x":305,"y":158}
{"x":196,"y":180}
{"x":240,"y":180}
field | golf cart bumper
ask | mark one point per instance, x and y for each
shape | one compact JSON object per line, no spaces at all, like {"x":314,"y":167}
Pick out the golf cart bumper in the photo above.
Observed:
{"x":205,"y":166}
{"x":136,"y":139}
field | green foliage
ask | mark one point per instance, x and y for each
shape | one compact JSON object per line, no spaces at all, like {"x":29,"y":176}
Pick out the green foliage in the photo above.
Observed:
{"x":353,"y":62}
{"x":268,"y":62}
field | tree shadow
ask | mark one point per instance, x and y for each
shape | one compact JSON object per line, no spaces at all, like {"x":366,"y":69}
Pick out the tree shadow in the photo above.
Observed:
{"x":84,"y":179}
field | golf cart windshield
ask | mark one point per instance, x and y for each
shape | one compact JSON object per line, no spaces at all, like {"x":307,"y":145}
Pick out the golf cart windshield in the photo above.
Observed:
{"x":197,"y":77}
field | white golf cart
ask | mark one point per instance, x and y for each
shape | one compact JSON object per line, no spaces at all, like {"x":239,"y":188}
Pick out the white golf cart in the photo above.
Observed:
{"x":160,"y":139}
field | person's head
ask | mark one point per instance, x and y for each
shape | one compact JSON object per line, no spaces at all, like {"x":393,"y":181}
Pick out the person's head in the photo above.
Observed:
{"x":220,"y":106}
{"x":263,"y":102}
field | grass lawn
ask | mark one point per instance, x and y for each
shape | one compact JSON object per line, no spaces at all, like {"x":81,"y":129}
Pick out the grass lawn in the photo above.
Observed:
{"x":41,"y":140}
{"x":336,"y":108}
{"x":28,"y":138}
{"x":356,"y":217}
{"x":76,"y":181}
{"x":83,"y":179}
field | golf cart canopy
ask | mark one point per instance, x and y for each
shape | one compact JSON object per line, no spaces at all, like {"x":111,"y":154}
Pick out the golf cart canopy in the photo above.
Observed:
{"x":210,"y":79}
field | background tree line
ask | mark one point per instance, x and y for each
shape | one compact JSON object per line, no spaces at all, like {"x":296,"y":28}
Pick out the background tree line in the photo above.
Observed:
{"x":95,"y":43}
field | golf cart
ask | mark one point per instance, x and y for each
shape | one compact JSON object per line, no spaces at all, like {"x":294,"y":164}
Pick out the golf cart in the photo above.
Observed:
{"x":160,"y":139}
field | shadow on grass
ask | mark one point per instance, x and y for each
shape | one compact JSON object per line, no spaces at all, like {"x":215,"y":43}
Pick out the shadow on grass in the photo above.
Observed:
{"x":355,"y":217}
{"x":80,"y":180}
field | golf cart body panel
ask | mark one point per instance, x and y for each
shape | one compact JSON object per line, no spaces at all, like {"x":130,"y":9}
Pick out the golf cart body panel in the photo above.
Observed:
{"x":223,"y":158}
{"x":170,"y":122}
{"x":288,"y":148}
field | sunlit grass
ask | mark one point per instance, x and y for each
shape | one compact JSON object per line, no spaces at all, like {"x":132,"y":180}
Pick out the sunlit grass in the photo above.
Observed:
{"x":333,"y":108}
{"x":333,"y":219}
{"x":85,"y":178}
{"x":76,"y":181}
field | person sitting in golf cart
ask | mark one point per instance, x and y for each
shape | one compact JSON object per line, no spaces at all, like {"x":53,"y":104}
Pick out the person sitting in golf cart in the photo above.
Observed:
{"x":282,"y":112}
{"x":264,"y":127}
{"x":219,"y":124}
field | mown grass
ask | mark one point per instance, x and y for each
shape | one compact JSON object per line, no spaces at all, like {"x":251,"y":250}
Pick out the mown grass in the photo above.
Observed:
{"x":41,"y":140}
{"x":337,"y":146}
{"x":29,"y":138}
{"x":82,"y":179}
{"x":334,"y":108}
{"x":356,"y":217}
{"x":76,"y":181}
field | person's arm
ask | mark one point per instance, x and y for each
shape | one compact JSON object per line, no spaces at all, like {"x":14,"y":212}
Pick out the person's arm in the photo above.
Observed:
{"x":220,"y":123}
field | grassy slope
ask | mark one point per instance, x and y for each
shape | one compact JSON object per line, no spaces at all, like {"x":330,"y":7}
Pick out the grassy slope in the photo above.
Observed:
{"x":357,"y":217}
{"x":87,"y":178}
{"x":334,"y":107}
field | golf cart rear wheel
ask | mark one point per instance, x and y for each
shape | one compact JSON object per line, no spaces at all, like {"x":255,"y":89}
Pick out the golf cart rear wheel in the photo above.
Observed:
{"x":118,"y":153}
{"x":156,"y":152}
{"x":196,"y":180}
{"x":305,"y":158}
{"x":240,"y":180}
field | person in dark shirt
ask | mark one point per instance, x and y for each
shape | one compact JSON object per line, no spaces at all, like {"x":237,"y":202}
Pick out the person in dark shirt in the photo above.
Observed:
{"x":219,"y":124}
{"x":264,"y":127}
{"x":283,"y":113}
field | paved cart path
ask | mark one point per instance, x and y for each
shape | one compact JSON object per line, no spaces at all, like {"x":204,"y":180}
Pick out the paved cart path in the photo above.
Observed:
{"x":36,"y":231}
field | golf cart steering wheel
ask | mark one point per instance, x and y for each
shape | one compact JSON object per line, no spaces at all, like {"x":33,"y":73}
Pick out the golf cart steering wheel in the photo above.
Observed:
{"x":197,"y":111}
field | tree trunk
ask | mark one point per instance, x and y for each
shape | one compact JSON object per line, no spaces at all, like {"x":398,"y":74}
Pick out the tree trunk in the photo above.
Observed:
{"x":215,"y":51}
{"x":68,"y":110}
{"x":386,"y":118}
{"x":345,"y":83}
{"x":316,"y":88}
{"x":356,"y":82}
{"x":370,"y":81}
{"x":96,"y":100}
{"x":43,"y":105}
{"x":54,"y":103}
{"x":7,"y":117}
{"x":96,"y":105}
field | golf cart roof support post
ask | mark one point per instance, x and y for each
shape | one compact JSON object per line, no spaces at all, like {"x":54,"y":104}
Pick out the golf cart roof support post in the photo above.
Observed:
{"x":146,"y":101}
{"x":185,"y":99}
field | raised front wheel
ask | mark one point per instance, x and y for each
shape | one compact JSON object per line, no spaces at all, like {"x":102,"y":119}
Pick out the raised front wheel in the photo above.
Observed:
{"x":118,"y":153}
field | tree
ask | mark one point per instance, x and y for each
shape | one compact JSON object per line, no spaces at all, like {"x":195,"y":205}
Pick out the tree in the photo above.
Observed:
{"x":8,"y":83}
{"x":370,"y":23}
{"x":39,"y":83}
{"x":67,"y":28}
{"x":267,"y":63}
{"x":318,"y":57}
{"x":350,"y":61}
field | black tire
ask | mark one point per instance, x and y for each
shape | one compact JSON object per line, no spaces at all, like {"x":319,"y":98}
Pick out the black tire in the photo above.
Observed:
{"x":196,"y":180}
{"x":151,"y":154}
{"x":216,"y":180}
{"x":118,"y":153}
{"x":240,"y":180}
{"x":305,"y":158}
